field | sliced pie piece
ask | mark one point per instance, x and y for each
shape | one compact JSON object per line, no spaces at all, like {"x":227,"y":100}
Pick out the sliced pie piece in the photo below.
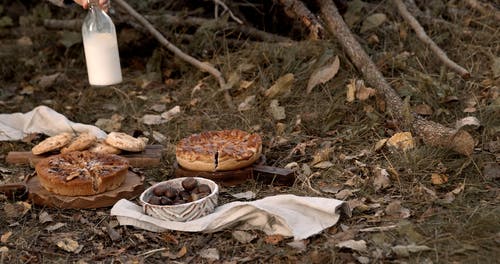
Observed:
{"x":218,"y":150}
{"x":82,"y":173}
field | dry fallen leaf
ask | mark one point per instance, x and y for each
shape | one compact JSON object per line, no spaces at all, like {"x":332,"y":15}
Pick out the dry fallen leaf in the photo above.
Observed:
{"x":16,"y":210}
{"x":282,"y":86}
{"x":248,"y":195}
{"x":5,"y":236}
{"x":323,"y":74}
{"x":323,"y":165}
{"x":363,"y":93}
{"x":323,"y":154}
{"x":69,"y":245}
{"x":274,"y":239}
{"x":172,"y":113}
{"x":44,"y":217}
{"x":356,"y":245}
{"x":55,"y":226}
{"x":395,"y":209}
{"x":247,"y":104}
{"x":344,"y":194}
{"x":300,"y":245}
{"x":404,"y":251}
{"x":149,"y":119}
{"x":210,"y":254}
{"x":243,"y":236}
{"x":381,"y":179}
{"x":380,"y":144}
{"x":401,"y":141}
{"x":278,"y":112}
{"x":181,"y":253}
{"x":351,"y":91}
{"x":438,"y":179}
{"x":373,"y":21}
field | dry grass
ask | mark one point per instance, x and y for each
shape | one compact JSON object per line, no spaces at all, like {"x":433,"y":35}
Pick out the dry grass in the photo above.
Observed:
{"x":465,"y":230}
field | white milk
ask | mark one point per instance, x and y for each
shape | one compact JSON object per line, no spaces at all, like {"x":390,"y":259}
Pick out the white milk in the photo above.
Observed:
{"x":103,"y":61}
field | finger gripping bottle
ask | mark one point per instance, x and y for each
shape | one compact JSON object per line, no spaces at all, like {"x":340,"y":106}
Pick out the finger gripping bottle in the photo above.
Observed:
{"x":101,"y":47}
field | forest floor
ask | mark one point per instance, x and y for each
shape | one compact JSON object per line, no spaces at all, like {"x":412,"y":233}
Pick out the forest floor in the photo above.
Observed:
{"x":430,"y":205}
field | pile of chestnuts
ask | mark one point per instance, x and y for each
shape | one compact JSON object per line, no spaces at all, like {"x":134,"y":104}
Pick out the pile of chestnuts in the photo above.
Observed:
{"x":168,"y":195}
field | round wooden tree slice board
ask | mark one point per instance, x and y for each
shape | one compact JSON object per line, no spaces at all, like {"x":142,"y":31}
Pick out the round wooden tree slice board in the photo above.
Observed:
{"x":131,"y":188}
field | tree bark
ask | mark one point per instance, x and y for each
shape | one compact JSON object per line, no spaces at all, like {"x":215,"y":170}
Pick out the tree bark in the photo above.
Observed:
{"x":432,"y":133}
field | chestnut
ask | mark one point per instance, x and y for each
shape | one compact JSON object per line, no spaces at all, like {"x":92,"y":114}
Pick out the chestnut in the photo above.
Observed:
{"x":160,"y":190}
{"x":165,"y":201}
{"x":171,"y":192}
{"x":155,"y":200}
{"x":204,"y":188}
{"x":189,"y":183}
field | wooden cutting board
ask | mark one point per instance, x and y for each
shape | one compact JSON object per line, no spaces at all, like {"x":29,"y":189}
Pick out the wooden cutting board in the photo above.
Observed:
{"x":259,"y":172}
{"x":131,"y":188}
{"x":150,"y":157}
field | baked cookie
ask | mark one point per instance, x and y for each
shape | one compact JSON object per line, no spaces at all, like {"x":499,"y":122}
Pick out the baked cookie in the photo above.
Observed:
{"x":81,"y":142}
{"x":52,"y":143}
{"x":218,"y":150}
{"x":125,"y":142}
{"x":104,"y":148}
{"x":81,"y":173}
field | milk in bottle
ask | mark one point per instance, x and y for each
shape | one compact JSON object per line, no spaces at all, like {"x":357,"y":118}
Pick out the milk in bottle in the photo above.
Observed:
{"x":101,"y":47}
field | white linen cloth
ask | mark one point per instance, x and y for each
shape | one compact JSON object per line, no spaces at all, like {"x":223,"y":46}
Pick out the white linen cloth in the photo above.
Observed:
{"x":287,"y":215}
{"x":44,"y":120}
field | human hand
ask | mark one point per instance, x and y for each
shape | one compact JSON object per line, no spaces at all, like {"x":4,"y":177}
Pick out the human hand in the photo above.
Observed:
{"x":103,"y":4}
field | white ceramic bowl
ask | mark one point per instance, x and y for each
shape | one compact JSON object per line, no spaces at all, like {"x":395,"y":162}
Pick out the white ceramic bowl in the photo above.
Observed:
{"x":181,"y":212}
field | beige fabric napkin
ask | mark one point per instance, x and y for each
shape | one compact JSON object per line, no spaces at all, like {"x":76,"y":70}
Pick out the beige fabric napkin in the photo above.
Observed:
{"x":41,"y":119}
{"x":287,"y":215}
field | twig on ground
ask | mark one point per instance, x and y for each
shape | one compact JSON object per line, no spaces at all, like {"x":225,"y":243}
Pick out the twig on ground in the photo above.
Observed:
{"x":226,"y":9}
{"x":433,"y":134}
{"x":419,"y":30}
{"x":296,"y":8}
{"x":197,"y":21}
{"x":486,"y":9}
{"x":200,"y":65}
{"x":426,"y":19}
{"x":76,"y":24}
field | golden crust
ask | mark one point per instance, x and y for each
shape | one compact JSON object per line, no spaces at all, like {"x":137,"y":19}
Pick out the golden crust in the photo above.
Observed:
{"x":125,"y":142}
{"x":82,"y":173}
{"x":218,"y":150}
{"x":52,"y":143}
{"x":103,"y":148}
{"x":81,"y":142}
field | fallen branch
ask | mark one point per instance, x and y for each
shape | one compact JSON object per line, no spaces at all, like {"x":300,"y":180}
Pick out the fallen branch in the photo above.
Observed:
{"x":486,"y":9}
{"x":296,"y":8}
{"x":70,"y":24}
{"x":197,"y":21}
{"x":226,"y":9}
{"x":419,"y":30}
{"x":427,"y":19}
{"x":200,"y":65}
{"x":433,"y":134}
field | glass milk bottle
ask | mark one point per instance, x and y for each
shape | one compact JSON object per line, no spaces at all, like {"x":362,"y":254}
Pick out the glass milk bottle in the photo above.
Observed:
{"x":101,"y":47}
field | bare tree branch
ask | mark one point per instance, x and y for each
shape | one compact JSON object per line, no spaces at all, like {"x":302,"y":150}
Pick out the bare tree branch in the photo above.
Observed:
{"x":433,"y":134}
{"x":296,"y":8}
{"x":200,"y":65}
{"x":419,"y":30}
{"x":484,"y":8}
